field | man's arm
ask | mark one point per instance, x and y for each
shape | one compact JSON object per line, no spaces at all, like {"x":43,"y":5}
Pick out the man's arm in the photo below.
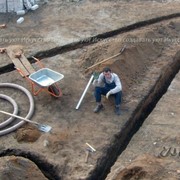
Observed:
{"x":118,"y":85}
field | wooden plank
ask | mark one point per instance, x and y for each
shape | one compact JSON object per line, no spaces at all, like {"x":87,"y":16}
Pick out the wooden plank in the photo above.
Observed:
{"x":27,"y":64}
{"x":17,"y":62}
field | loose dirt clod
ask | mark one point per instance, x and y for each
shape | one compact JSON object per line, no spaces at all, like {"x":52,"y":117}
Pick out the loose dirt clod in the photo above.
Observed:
{"x":13,"y":167}
{"x":2,"y":26}
{"x":27,"y":134}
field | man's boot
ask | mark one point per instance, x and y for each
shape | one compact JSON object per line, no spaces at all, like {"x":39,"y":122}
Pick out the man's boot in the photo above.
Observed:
{"x":98,"y":108}
{"x":117,"y":110}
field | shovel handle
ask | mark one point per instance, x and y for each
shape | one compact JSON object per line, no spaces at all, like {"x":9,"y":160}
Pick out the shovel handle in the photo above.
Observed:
{"x":19,"y":117}
{"x":87,"y":156}
{"x":121,"y":51}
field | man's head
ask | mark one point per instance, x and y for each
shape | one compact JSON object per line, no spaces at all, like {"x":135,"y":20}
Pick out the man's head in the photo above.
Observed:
{"x":107,"y":72}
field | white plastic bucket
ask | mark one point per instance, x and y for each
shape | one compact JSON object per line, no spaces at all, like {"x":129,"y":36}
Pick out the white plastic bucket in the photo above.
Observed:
{"x":20,"y":20}
{"x":34,"y":7}
{"x":21,"y":12}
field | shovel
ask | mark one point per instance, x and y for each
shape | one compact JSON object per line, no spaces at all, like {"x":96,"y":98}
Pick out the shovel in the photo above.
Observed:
{"x":120,"y":52}
{"x":41,"y":127}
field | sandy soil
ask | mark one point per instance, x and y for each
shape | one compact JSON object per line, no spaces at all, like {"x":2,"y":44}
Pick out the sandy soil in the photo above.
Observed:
{"x":139,"y":67}
{"x":153,"y":152}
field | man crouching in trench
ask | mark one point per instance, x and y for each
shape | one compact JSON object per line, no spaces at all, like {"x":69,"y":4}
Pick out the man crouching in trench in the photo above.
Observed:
{"x":111,"y":86}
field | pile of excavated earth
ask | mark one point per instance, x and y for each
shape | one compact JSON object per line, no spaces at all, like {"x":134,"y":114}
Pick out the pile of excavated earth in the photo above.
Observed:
{"x":77,"y":39}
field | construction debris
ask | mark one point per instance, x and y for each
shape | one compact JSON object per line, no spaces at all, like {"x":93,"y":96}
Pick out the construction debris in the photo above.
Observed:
{"x":20,"y":20}
{"x":2,"y":50}
{"x":20,"y":7}
{"x":17,"y":5}
{"x":2,"y":25}
{"x":18,"y":55}
{"x":21,"y":12}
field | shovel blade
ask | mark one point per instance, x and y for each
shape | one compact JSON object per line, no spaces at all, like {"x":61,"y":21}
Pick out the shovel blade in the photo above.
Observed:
{"x":44,"y":128}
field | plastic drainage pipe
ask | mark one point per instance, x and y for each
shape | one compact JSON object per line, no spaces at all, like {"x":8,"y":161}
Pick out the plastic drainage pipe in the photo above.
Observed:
{"x":15,"y":106}
{"x":31,"y":108}
{"x":85,"y":90}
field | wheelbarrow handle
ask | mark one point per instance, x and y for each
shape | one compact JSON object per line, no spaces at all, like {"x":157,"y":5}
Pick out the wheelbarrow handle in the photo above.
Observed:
{"x":38,"y":61}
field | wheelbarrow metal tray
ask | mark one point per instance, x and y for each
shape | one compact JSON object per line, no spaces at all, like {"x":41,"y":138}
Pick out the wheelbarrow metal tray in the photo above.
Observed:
{"x":45,"y":77}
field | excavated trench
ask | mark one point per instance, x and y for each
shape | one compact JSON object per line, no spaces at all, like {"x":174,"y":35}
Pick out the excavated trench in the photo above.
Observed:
{"x":49,"y":170}
{"x":144,"y":108}
{"x":91,"y":40}
{"x":120,"y":140}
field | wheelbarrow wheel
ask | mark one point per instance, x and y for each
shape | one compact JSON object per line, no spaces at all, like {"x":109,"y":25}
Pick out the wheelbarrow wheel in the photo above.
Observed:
{"x":53,"y":89}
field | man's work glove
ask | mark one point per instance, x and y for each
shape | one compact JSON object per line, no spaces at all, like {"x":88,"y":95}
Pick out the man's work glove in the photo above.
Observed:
{"x":96,"y":75}
{"x":108,"y":94}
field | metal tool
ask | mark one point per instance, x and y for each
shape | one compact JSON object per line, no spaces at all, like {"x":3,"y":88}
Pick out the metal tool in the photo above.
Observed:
{"x":89,"y":150}
{"x":165,"y":152}
{"x":41,"y":127}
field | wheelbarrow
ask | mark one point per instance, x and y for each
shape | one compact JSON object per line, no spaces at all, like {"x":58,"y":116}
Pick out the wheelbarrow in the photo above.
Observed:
{"x":44,"y":79}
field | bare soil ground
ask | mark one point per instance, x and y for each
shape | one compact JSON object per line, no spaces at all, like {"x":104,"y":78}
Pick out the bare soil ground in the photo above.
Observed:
{"x":154,"y":152}
{"x":149,"y":50}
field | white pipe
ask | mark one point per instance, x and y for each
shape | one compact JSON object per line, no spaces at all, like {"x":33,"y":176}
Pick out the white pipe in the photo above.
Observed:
{"x":82,"y":96}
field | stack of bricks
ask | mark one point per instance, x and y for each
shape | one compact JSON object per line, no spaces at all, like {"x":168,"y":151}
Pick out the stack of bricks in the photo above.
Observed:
{"x":11,"y":6}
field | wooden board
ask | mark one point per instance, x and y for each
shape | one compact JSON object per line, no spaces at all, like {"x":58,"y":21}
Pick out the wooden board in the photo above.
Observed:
{"x":27,"y":64}
{"x":22,"y":63}
{"x":17,"y":62}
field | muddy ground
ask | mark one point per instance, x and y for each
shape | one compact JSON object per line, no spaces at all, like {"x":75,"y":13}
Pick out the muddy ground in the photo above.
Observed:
{"x":150,"y":51}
